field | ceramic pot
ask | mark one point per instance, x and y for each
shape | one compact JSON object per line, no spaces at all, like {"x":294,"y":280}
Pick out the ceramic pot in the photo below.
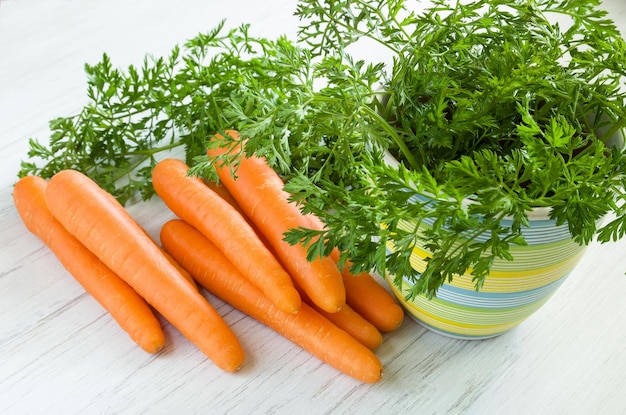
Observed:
{"x":512,"y":292}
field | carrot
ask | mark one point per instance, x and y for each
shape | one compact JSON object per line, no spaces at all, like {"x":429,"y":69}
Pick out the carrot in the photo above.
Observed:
{"x":259,"y":191}
{"x":97,"y":220}
{"x":371,"y":300}
{"x":123,"y":303}
{"x":352,"y":323}
{"x":191,"y":200}
{"x":346,"y":318}
{"x":180,"y":269}
{"x":222,"y":191}
{"x":364,"y":294}
{"x":308,"y":329}
{"x":386,"y":317}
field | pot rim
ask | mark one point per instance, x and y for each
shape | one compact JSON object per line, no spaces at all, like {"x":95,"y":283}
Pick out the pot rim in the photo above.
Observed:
{"x":538,"y":213}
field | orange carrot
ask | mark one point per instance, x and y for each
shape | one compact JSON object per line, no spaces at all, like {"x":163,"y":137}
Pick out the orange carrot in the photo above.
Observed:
{"x":259,"y":191}
{"x":308,"y":329}
{"x":352,"y":323}
{"x":180,"y":269}
{"x":371,"y":300}
{"x":364,"y":294}
{"x":221,"y":190}
{"x":387,"y":317}
{"x":130,"y":311}
{"x":346,"y":318}
{"x":191,"y":200}
{"x":97,"y":220}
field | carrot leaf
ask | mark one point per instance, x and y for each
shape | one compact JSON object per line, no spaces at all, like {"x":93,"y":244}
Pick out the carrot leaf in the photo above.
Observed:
{"x":507,"y":104}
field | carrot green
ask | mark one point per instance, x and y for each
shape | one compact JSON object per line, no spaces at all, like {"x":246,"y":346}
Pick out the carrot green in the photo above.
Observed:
{"x":511,"y":104}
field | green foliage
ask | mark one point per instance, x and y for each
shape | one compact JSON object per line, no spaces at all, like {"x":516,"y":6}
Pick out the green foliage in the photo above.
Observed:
{"x":491,"y":108}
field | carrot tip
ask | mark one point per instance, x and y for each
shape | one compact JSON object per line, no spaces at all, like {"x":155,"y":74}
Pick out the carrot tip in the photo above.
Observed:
{"x":232,"y":369}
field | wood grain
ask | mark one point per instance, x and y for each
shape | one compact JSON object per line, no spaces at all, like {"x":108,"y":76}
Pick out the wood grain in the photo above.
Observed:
{"x":60,"y":353}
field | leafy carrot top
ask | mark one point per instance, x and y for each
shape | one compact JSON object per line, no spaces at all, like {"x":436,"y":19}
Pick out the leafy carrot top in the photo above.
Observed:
{"x":509,"y":103}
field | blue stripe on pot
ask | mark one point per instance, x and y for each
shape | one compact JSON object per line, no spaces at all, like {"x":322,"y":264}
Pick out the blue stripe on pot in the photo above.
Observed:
{"x":495,"y":300}
{"x":512,"y":291}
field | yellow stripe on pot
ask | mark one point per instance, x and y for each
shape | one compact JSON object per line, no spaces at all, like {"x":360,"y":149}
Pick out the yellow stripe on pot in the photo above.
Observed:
{"x":455,"y":328}
{"x":511,"y":292}
{"x":462,"y":321}
{"x":522,"y":278}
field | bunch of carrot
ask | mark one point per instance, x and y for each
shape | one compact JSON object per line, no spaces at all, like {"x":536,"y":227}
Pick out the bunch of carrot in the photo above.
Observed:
{"x":229,"y":240}
{"x":118,"y":263}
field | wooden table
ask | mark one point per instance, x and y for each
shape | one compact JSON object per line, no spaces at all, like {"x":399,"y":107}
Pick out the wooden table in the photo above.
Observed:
{"x":60,"y":353}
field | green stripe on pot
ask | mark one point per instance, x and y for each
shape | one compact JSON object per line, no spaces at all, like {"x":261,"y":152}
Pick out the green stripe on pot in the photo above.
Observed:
{"x":512,"y":291}
{"x":454,"y":317}
{"x":522,"y":274}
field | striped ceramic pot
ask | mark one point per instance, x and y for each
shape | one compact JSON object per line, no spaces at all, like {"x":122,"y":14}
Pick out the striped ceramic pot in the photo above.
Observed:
{"x":512,"y":291}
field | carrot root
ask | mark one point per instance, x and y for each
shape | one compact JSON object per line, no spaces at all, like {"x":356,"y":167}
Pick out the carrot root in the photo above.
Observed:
{"x":100,"y":223}
{"x":371,"y":300}
{"x":193,"y":201}
{"x":122,"y":302}
{"x":364,"y":294}
{"x":259,"y":192}
{"x":352,"y":323}
{"x":308,"y":328}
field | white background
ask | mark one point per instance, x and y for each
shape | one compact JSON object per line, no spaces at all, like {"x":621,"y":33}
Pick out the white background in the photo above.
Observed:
{"x":60,"y":353}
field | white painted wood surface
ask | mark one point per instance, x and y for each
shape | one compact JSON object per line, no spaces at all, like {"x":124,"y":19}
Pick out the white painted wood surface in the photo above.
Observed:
{"x":60,"y":353}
